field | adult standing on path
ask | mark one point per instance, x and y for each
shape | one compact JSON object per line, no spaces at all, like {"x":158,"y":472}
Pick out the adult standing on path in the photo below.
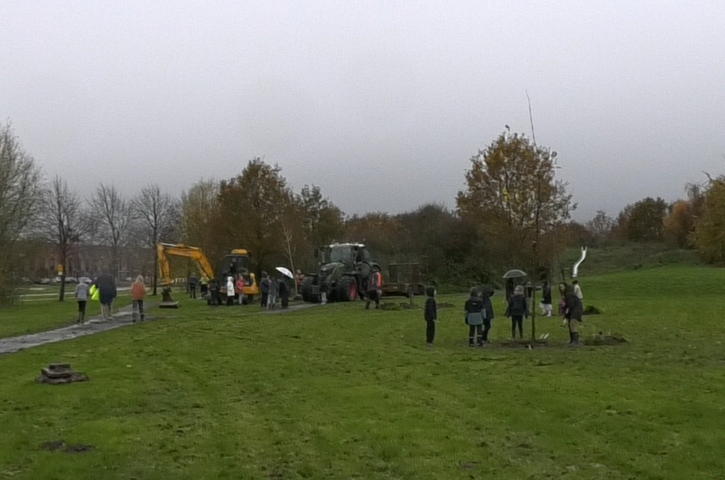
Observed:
{"x":192,"y":285}
{"x":573,"y":312}
{"x":204,"y":285}
{"x":283,"y":293}
{"x":299,"y":280}
{"x":82,"y":299}
{"x":106,"y":294}
{"x":273,"y":290}
{"x":138,"y":294}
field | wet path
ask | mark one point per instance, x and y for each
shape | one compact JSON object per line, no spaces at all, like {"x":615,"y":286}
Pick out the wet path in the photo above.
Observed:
{"x":122,"y":318}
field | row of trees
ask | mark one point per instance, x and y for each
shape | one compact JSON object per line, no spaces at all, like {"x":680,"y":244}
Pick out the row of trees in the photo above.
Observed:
{"x":694,"y":222}
{"x":512,"y":212}
{"x":48,"y":211}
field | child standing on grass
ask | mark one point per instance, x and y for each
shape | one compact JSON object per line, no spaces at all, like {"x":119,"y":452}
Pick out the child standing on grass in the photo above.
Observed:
{"x":486,"y":295}
{"x":230,"y":291}
{"x":474,"y":319}
{"x":239,"y":288}
{"x":518,"y":308}
{"x":430,"y":315}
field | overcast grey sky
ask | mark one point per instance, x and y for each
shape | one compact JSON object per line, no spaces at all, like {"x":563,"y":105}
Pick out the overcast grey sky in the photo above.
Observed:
{"x":380,"y":103}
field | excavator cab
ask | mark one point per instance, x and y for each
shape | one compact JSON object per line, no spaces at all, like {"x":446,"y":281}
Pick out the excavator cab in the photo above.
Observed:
{"x":237,"y":263}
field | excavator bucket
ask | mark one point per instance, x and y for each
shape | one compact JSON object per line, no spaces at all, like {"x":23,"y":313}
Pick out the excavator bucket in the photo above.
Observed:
{"x":166,"y":300}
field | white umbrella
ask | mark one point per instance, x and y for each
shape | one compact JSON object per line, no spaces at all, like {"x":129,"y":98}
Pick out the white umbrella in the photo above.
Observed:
{"x":285,"y":272}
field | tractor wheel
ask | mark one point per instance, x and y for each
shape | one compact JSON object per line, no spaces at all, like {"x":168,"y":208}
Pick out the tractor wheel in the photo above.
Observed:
{"x":348,"y":289}
{"x":249,"y":299}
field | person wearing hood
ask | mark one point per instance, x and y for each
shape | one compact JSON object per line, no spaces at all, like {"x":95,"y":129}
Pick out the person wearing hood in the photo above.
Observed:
{"x":573,"y":311}
{"x":486,"y":295}
{"x":518,"y":308}
{"x":230,"y":291}
{"x":474,"y":318}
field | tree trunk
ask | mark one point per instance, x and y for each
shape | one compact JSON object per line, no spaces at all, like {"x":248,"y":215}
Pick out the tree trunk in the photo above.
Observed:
{"x":533,"y":313}
{"x":156,"y":271}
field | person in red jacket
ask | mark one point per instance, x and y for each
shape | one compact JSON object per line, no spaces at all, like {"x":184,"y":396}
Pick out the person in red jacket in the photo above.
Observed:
{"x":138,"y":293}
{"x":375,"y":287}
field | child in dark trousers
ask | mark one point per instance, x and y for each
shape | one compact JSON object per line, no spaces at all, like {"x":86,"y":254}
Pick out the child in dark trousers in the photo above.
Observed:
{"x":518,"y":309}
{"x":430,"y":315}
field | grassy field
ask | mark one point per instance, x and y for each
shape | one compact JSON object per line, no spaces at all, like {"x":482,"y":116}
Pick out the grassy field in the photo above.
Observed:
{"x":337,"y":392}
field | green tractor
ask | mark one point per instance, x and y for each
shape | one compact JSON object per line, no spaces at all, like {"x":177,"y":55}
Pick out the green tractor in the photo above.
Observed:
{"x":343,"y":269}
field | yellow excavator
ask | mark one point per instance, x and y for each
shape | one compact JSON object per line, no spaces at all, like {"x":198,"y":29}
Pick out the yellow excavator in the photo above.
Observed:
{"x":235,"y":262}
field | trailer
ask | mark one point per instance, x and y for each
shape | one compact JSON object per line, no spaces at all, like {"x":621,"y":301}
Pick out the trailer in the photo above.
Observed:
{"x":404,"y":279}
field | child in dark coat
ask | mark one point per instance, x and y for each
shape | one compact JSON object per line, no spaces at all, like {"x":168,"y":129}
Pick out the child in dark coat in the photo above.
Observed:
{"x":474,"y":318}
{"x":518,"y":308}
{"x":430,"y":315}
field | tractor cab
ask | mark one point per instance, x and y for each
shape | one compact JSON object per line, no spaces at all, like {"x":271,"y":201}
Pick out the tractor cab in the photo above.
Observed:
{"x":349,"y":254}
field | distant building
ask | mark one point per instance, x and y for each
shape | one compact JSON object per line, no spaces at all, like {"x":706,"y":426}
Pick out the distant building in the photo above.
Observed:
{"x":86,"y":261}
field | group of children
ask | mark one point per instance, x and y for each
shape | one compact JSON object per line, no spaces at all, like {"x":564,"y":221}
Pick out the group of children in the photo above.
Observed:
{"x":479,"y":312}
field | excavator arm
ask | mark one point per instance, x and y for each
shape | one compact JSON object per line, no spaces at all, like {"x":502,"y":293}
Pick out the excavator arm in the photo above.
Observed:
{"x":165,"y":249}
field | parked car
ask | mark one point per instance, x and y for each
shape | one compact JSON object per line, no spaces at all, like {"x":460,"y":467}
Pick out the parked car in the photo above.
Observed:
{"x":43,"y":281}
{"x":87,"y":280}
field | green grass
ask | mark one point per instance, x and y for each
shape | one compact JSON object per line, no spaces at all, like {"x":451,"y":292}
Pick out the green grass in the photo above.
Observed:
{"x":337,"y":392}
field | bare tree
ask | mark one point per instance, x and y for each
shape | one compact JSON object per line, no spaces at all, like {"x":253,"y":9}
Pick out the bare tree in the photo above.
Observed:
{"x":20,"y":199}
{"x":62,"y":222}
{"x":157,"y":215}
{"x":113,"y":218}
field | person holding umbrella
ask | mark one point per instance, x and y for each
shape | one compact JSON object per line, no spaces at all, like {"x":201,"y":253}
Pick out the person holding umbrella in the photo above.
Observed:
{"x":282,"y":287}
{"x":107,"y":292}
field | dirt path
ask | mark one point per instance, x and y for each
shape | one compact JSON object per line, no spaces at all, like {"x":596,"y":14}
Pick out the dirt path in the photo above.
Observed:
{"x":121,"y":318}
